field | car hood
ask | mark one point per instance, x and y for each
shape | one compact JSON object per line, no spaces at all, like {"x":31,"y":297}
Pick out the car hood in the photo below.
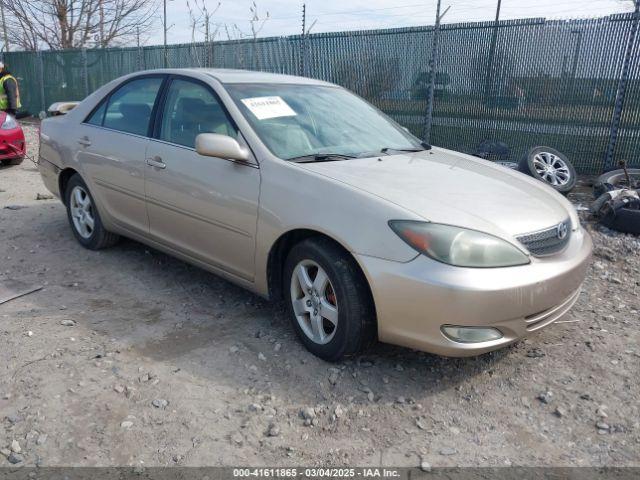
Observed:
{"x":447,"y":187}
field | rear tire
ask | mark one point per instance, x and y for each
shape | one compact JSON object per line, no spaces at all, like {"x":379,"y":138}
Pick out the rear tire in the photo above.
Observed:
{"x":84,"y":217}
{"x":561,"y":175}
{"x":333,"y":314}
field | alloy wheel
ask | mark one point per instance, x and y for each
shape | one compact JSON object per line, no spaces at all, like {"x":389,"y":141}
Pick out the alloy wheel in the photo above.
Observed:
{"x":82,"y":212}
{"x":551,"y":168}
{"x":314,"y":302}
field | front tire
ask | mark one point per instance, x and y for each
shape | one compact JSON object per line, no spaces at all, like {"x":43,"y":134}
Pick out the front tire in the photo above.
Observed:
{"x":328,"y":300}
{"x":84,"y":218}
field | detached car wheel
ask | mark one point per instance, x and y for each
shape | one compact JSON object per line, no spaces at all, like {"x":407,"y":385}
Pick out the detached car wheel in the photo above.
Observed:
{"x":619,"y":212}
{"x":84,"y":217}
{"x":616,"y":179}
{"x":551,"y":167}
{"x":328,"y":300}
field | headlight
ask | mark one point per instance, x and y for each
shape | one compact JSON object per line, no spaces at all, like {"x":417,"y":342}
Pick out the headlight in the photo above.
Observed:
{"x":458,"y":246}
{"x":9,"y":123}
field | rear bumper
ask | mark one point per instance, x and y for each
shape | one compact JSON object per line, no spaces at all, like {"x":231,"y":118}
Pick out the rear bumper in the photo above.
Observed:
{"x":415,"y":299}
{"x":12,"y":144}
{"x":49,"y":174}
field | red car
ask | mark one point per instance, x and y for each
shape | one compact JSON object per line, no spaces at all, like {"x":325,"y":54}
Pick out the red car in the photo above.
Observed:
{"x":12,"y":144}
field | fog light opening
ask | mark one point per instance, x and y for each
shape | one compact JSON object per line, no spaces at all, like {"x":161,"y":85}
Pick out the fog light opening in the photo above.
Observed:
{"x":471,"y":334}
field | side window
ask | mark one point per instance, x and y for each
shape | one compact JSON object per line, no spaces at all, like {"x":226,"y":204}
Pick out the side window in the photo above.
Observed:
{"x":97,"y":116}
{"x":129,"y":107}
{"x":191,"y":109}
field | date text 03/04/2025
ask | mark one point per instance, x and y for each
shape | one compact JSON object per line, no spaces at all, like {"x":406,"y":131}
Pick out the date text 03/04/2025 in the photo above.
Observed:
{"x":318,"y":472}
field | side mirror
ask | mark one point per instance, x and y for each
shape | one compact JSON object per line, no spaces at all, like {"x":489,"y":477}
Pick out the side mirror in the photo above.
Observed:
{"x":221,"y":146}
{"x":61,"y":108}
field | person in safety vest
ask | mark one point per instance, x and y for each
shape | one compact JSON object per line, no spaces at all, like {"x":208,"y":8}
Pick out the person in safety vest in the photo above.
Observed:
{"x":9,"y":92}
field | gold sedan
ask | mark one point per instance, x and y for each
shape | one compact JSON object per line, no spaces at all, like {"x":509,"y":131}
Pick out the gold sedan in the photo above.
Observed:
{"x":299,"y":190}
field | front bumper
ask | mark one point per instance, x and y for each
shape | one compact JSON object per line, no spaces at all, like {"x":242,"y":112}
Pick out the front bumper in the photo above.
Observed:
{"x":413,"y":300}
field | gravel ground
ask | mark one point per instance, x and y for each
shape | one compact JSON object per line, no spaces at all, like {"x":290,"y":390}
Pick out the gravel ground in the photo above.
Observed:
{"x":130,"y":357}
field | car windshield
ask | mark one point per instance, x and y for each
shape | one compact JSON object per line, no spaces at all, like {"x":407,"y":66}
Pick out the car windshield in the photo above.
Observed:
{"x":316,"y":121}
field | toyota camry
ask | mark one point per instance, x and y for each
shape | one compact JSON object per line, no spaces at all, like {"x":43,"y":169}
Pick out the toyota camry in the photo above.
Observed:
{"x":301,"y":191}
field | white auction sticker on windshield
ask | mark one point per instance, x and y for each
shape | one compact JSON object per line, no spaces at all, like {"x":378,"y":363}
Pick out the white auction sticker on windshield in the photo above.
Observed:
{"x":268,"y":107}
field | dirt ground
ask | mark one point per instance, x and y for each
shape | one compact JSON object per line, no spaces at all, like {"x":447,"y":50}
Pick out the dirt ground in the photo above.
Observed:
{"x":130,"y":357}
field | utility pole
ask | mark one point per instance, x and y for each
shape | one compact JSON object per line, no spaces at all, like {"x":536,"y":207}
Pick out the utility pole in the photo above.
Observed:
{"x":207,"y":46}
{"x":164,"y":24}
{"x":428,"y":121}
{"x":138,"y":48}
{"x":4,"y":27}
{"x":206,"y":25}
{"x":622,"y":88}
{"x":303,"y":40}
{"x":101,"y":8}
{"x":492,"y":52}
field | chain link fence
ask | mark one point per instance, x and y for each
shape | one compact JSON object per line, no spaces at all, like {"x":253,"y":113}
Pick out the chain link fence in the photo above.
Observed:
{"x":522,"y":82}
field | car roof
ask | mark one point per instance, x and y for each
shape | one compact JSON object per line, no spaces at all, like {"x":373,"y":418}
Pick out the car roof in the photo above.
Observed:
{"x":226,"y":75}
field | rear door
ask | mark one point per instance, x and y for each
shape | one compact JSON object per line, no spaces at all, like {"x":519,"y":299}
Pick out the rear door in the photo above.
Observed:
{"x":112,"y":144}
{"x":203,"y":206}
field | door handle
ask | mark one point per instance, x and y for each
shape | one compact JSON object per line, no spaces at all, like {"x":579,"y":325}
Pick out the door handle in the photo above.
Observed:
{"x":84,"y":141}
{"x":156,"y":162}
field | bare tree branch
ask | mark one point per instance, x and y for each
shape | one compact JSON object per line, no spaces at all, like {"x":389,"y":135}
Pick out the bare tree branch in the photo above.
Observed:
{"x":64,"y":24}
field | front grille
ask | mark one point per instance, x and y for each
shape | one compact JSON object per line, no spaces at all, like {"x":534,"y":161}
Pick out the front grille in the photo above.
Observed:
{"x":547,"y":241}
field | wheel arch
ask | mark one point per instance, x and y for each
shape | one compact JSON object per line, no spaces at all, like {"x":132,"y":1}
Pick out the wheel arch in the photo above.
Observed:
{"x":63,"y":180}
{"x":281,"y":248}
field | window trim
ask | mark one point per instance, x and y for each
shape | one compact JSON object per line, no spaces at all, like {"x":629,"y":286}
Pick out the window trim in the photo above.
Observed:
{"x":159,"y":113}
{"x":107,"y":98}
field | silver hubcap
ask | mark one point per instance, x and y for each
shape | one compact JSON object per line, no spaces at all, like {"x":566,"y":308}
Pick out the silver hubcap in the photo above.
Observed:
{"x":81,"y":212}
{"x":314,"y":302}
{"x":551,"y":168}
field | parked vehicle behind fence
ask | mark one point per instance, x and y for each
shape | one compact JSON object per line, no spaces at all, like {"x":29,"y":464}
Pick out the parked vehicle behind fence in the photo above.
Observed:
{"x":299,"y":190}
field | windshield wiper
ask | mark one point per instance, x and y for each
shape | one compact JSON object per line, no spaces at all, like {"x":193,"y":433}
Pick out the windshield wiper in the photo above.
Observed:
{"x":321,"y":157}
{"x":425,"y":146}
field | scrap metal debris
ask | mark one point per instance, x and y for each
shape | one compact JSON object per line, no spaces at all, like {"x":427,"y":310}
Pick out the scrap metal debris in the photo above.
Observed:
{"x":619,"y":210}
{"x":8,"y":293}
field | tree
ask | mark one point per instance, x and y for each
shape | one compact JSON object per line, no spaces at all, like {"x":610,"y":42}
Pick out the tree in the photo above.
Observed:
{"x":200,"y":22}
{"x":64,"y":24}
{"x":256,"y":24}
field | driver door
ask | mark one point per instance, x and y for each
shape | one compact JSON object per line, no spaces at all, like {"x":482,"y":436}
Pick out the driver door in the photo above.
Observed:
{"x":205,"y":207}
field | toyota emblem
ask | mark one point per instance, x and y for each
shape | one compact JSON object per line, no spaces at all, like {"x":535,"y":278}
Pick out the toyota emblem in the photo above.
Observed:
{"x":562,"y":230}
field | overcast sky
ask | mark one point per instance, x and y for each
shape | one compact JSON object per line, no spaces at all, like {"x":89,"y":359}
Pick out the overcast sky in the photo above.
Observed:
{"x":339,"y":15}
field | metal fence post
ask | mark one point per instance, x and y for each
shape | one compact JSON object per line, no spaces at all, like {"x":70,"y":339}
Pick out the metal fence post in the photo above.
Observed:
{"x":85,"y":71}
{"x":303,"y":40}
{"x":622,"y":89}
{"x":428,"y":121}
{"x":139,"y":56}
{"x":43,"y":107}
